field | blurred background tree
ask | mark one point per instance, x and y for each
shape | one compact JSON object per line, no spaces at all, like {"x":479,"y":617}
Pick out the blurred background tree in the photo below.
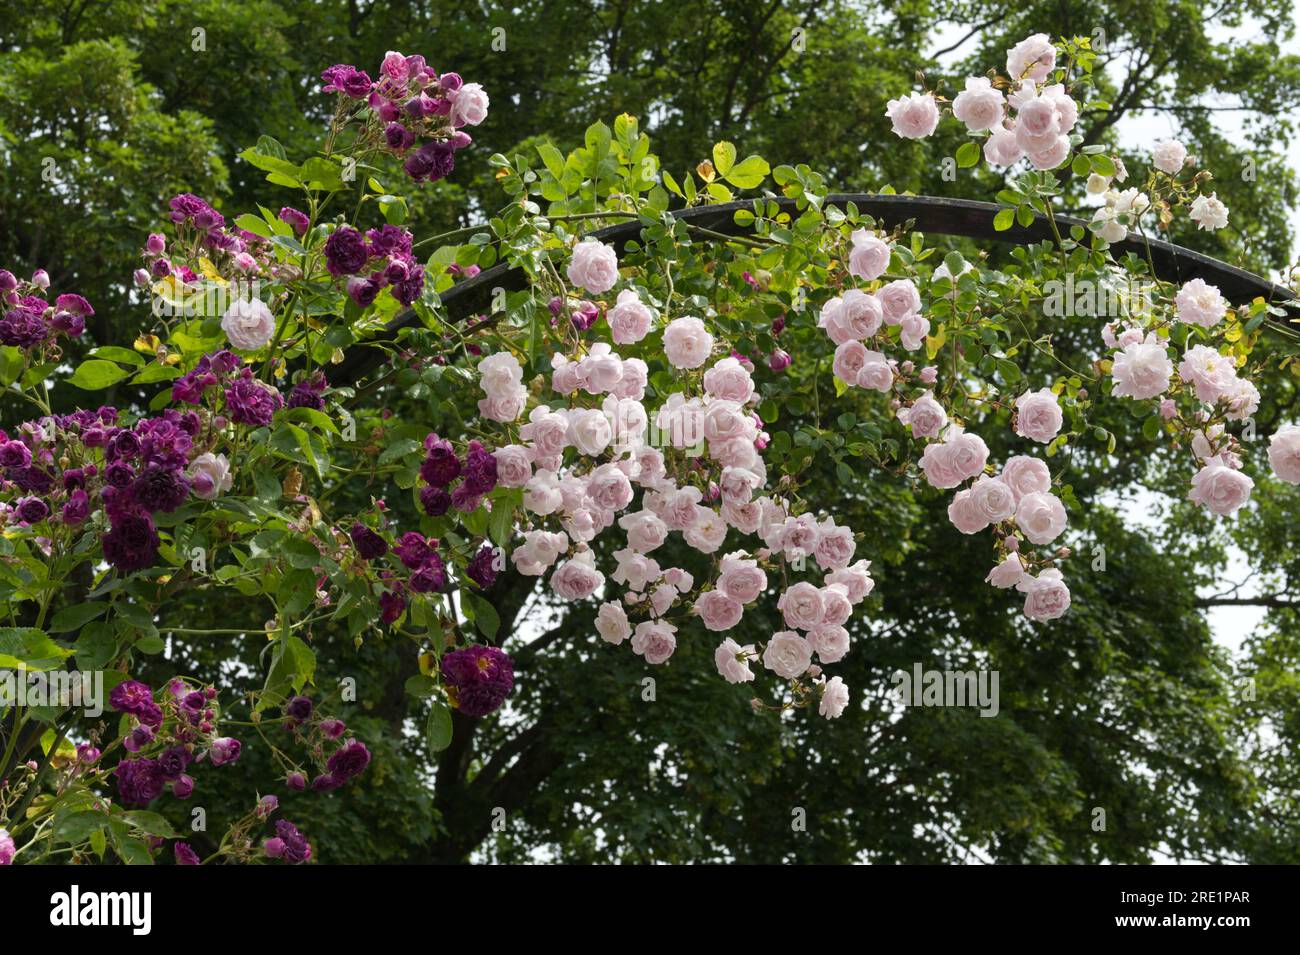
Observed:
{"x":1127,"y":704}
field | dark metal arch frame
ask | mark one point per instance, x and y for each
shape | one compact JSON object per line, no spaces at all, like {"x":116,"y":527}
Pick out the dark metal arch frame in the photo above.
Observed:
{"x":966,"y":218}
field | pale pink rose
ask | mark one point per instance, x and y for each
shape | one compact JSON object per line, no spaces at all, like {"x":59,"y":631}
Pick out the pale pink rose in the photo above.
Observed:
{"x":582,"y":525}
{"x":1209,"y":213}
{"x":1168,"y":409}
{"x":1026,"y":475}
{"x":718,"y":611}
{"x":635,"y":376}
{"x":913,"y":116}
{"x":593,"y":266}
{"x":1220,"y":488}
{"x":1243,"y":400}
{"x":829,"y":319}
{"x":725,"y":420}
{"x":898,"y":299}
{"x":248,"y":323}
{"x":1211,"y":374}
{"x":577,"y":577}
{"x":969,"y":453}
{"x":681,"y":509}
{"x":855,"y":579}
{"x":1032,"y":58}
{"x":1051,"y":154}
{"x":787,"y":654}
{"x":499,"y":372}
{"x":687,"y":342}
{"x":965,"y":515}
{"x":662,"y":599}
{"x":835,"y":698}
{"x":542,"y":494}
{"x":939,"y":465}
{"x":589,"y":431}
{"x":848,"y":361}
{"x":801,"y":606}
{"x":738,"y":485}
{"x":743,"y":517}
{"x":993,"y":498}
{"x":503,"y":407}
{"x":566,"y":376}
{"x":1040,"y":517}
{"x":678,"y":579}
{"x":1038,"y":124}
{"x":539,"y":551}
{"x":1001,"y":148}
{"x":732,"y":661}
{"x":1200,"y":304}
{"x":1142,"y":370}
{"x":628,"y":421}
{"x":1038,"y":416}
{"x":835,"y":546}
{"x":546,"y":431}
{"x":609,"y":488}
{"x":708,"y":531}
{"x":735,"y":453}
{"x":1284,"y":453}
{"x":645,"y":530}
{"x":469,"y":105}
{"x":876,"y":374}
{"x":829,"y":641}
{"x":634,"y":570}
{"x":210,"y":475}
{"x":925,"y":417}
{"x":612,"y":623}
{"x":629,"y":320}
{"x":1067,"y":110}
{"x":514,"y":465}
{"x":729,"y":380}
{"x":979,"y":105}
{"x":836,"y":605}
{"x":928,"y":375}
{"x":913,"y":329}
{"x":860,"y":313}
{"x":654,"y":640}
{"x":650,"y":465}
{"x":1006,"y":574}
{"x":602,"y":369}
{"x":869,"y":257}
{"x":1046,"y":596}
{"x":1169,"y":156}
{"x":799,"y":536}
{"x":741,"y":578}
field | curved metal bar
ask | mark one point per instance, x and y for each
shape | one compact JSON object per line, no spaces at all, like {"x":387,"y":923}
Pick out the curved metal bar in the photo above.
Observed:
{"x":958,"y":217}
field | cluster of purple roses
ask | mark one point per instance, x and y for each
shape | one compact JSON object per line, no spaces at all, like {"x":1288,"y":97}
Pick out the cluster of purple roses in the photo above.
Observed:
{"x":288,"y":843}
{"x":247,"y":251}
{"x":247,"y":401}
{"x":149,"y":467}
{"x":180,"y":731}
{"x":385,"y":253}
{"x":346,"y":762}
{"x":477,"y":679}
{"x":28,"y":320}
{"x":441,"y":467}
{"x":410,"y":102}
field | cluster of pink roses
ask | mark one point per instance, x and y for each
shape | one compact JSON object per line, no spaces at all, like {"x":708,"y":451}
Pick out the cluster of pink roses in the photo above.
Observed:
{"x":697,"y":465}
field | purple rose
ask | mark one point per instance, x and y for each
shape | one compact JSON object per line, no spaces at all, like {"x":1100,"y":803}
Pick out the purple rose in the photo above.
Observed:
{"x":482,"y":567}
{"x":431,"y":162}
{"x":349,"y":760}
{"x":23,"y":328}
{"x":441,"y":466}
{"x":480,"y":469}
{"x":184,"y":854}
{"x":250,"y":402}
{"x":368,"y":544}
{"x":77,"y":508}
{"x":160,"y":489}
{"x":299,"y":708}
{"x":32,"y":510}
{"x":131,"y":542}
{"x":298,"y":221}
{"x":435,"y":501}
{"x":225,"y":750}
{"x":183,"y":787}
{"x":15,"y":454}
{"x":413,"y":549}
{"x":391,"y":606}
{"x":430,"y":576}
{"x":173,"y":761}
{"x":478,"y":678}
{"x":139,"y":781}
{"x":345,"y":252}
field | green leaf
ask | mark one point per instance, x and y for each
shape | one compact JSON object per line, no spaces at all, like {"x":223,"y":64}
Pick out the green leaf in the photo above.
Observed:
{"x":154,"y":372}
{"x":1004,"y":220}
{"x":552,"y":158}
{"x":76,"y":616}
{"x":399,"y":449}
{"x":151,"y":823}
{"x":118,"y":354}
{"x":421,"y":687}
{"x":968,"y":154}
{"x":502,"y":523}
{"x":724,"y":157}
{"x":95,"y":374}
{"x":30,"y":648}
{"x":96,"y":646}
{"x":438,"y":731}
{"x":749,"y":173}
{"x":1103,"y":165}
